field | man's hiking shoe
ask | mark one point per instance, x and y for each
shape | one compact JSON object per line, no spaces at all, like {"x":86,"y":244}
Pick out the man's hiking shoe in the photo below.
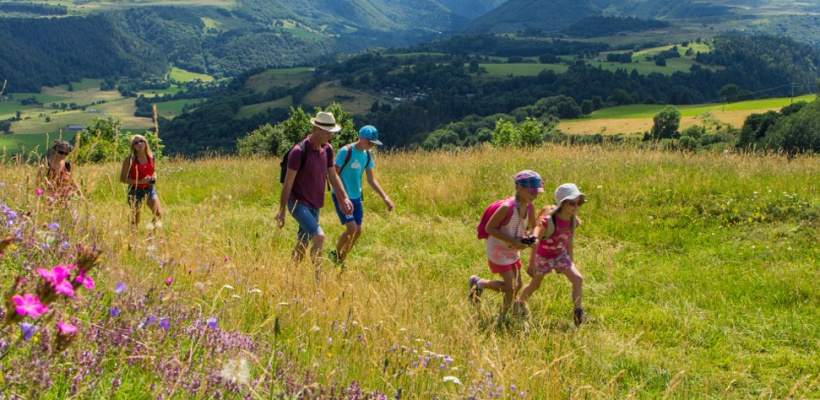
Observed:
{"x":580,"y":318}
{"x":474,"y":294}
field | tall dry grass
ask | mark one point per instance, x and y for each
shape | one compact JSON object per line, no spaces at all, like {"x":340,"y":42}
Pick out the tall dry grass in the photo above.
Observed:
{"x":698,"y":267}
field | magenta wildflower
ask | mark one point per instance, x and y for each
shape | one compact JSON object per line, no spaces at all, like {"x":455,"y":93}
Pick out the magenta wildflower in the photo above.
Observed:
{"x":121,"y":287}
{"x":39,"y":192}
{"x":66,"y":328}
{"x":29,"y":304}
{"x":65,"y":335}
{"x":169,"y":281}
{"x":85,"y":280}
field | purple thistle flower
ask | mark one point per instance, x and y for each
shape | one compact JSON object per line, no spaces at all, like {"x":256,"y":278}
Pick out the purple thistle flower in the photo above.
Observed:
{"x":44,"y":246}
{"x":39,"y":192}
{"x":523,"y":394}
{"x":165,"y":323}
{"x":211,"y":322}
{"x":53,"y":226}
{"x":27,"y":330}
{"x":114,"y":312}
{"x":65,"y":245}
{"x":121,"y":287}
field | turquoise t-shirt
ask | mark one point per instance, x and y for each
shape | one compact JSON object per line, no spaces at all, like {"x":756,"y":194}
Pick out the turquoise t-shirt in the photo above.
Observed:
{"x":352,"y":173}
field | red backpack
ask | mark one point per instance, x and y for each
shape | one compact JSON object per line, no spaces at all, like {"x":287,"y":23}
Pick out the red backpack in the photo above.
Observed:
{"x":488,"y":213}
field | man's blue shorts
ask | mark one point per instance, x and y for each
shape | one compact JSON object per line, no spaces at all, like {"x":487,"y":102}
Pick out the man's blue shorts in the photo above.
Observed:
{"x":308,"y":220}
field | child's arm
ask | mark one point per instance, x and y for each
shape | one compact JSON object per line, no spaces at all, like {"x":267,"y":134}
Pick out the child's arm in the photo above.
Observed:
{"x":537,"y":232}
{"x":493,"y":230}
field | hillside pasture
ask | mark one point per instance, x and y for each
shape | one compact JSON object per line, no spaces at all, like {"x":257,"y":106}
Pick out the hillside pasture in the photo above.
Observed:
{"x":170,"y":109}
{"x":638,"y":117}
{"x":520,"y":69}
{"x":286,"y":77}
{"x":352,"y":101}
{"x":181,"y":75}
{"x":253,"y":109}
{"x":174,"y":89}
{"x":677,"y":271}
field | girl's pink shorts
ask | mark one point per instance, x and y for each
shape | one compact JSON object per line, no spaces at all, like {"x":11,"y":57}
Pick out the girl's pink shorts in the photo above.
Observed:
{"x":500,"y":269}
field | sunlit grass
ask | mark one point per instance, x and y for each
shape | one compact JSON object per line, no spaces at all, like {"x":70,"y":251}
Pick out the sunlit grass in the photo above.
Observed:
{"x":699,"y":268}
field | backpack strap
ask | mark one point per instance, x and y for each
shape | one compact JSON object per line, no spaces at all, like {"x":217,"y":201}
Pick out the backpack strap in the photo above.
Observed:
{"x":369,"y":157}
{"x":551,"y":225}
{"x":304,"y":154}
{"x":347,"y":158}
{"x":510,"y":209}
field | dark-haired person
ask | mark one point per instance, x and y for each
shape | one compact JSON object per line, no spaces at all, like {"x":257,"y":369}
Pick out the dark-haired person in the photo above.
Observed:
{"x":55,"y":175}
{"x":303,"y":190}
{"x":138,"y":172}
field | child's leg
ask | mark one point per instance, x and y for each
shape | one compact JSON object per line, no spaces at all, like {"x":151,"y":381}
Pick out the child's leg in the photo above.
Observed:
{"x":531,"y":287}
{"x":506,"y":286}
{"x":577,"y":285}
{"x":347,"y":240}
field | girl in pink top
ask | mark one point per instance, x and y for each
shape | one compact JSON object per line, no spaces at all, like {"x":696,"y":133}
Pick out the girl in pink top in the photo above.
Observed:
{"x":505,"y":241}
{"x":555,"y":245}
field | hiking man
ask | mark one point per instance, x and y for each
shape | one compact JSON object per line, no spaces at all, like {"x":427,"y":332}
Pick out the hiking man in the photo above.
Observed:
{"x":309,"y":165}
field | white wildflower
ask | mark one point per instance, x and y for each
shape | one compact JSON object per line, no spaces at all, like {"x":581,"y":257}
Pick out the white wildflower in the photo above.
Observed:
{"x":237,"y":371}
{"x":452,"y":379}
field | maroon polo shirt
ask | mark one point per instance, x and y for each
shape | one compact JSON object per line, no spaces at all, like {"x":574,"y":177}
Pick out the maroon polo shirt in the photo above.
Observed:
{"x":309,"y":186}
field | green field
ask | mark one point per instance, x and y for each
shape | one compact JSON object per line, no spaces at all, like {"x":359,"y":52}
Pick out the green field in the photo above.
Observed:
{"x":286,"y":77}
{"x":702,"y":288}
{"x":174,"y":89}
{"x":253,"y":109}
{"x":181,"y":75}
{"x":650,"y":110}
{"x":25,"y":144}
{"x":522,"y":69}
{"x":170,"y":109}
{"x":84,"y":84}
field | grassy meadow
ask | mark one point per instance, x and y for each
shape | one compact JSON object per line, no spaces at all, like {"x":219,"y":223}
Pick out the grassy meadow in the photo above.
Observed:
{"x":699,"y":268}
{"x":637,"y":118}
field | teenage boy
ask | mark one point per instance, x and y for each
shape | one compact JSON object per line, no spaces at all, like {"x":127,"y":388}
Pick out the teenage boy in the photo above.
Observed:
{"x":353,"y":160}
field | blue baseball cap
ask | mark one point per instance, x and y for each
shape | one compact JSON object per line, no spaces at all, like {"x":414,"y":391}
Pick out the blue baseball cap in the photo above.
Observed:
{"x":370,"y":133}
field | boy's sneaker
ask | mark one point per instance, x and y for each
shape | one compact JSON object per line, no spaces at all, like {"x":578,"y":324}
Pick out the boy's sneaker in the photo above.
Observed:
{"x":580,"y":318}
{"x":334,"y":258}
{"x":474,"y":294}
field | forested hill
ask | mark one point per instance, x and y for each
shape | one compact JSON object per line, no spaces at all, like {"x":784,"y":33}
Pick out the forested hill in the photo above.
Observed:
{"x":48,"y":52}
{"x":139,"y":43}
{"x":448,"y":89}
